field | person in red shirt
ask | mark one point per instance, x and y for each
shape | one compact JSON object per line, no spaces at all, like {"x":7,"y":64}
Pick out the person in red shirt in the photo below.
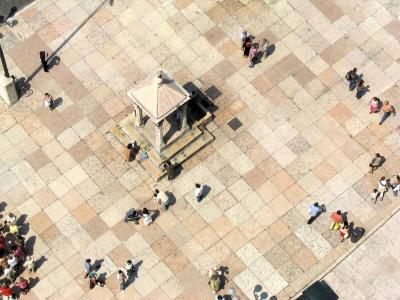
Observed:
{"x":336,"y":218}
{"x":6,"y":291}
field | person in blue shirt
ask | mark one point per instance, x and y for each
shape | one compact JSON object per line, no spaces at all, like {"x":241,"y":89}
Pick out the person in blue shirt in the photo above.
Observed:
{"x":315,"y":210}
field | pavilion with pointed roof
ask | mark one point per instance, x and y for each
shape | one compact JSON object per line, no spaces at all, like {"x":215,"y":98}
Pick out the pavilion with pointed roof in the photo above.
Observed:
{"x":160,"y":103}
{"x":159,"y":97}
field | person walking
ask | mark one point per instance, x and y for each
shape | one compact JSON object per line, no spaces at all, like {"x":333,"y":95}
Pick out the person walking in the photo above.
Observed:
{"x":23,"y":284}
{"x":48,"y":101}
{"x":314,"y":210}
{"x":43,"y":59}
{"x":376,"y":162}
{"x":161,"y":198}
{"x":246,"y":46}
{"x":11,"y":219}
{"x":214,"y":283}
{"x":147,"y":220}
{"x":253,"y":55}
{"x":199,"y":191}
{"x":8,"y":272}
{"x":130,"y":268}
{"x":265,"y":47}
{"x":396,"y":185}
{"x":170,"y":170}
{"x":121,"y":277}
{"x":383,"y":186}
{"x":30,"y":264}
{"x":336,"y":218}
{"x":360,"y":89}
{"x":129,"y":151}
{"x":375,"y":195}
{"x":87,"y":266}
{"x":243,"y":36}
{"x":374,"y":105}
{"x":344,"y":231}
{"x":352,"y":78}
{"x":93,"y":280}
{"x":213,"y":271}
{"x":6,"y":291}
{"x":388,"y":110}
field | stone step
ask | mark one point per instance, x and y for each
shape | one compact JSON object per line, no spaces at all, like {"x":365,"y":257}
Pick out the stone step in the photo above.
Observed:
{"x":193,"y":147}
{"x":182,"y":142}
{"x":152,"y":169}
{"x":177,"y":153}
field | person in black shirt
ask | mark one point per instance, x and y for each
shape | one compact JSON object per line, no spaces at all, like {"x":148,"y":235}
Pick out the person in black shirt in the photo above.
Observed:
{"x":352,"y":78}
{"x":43,"y":55}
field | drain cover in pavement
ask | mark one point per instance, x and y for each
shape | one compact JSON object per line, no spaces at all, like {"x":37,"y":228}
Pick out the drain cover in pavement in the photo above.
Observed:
{"x":234,"y":124}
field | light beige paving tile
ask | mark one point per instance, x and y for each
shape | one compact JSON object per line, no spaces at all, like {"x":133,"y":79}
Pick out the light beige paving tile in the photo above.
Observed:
{"x":248,"y":254}
{"x":108,"y":242}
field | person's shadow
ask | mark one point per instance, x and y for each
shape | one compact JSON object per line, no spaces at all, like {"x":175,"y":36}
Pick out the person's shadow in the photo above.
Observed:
{"x":57,"y":102}
{"x":224,"y":279}
{"x":131,"y":279}
{"x":54,"y":61}
{"x":154,"y":214}
{"x":3,"y":206}
{"x":171,"y":199}
{"x":40,"y":262}
{"x":344,"y":216}
{"x":30,"y":244}
{"x":364,"y":91}
{"x":97,"y":264}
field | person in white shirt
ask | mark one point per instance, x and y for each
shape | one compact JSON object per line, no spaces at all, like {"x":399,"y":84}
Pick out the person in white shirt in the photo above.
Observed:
{"x":161,"y":198}
{"x":11,"y":219}
{"x":383,"y":186}
{"x":12,"y":261}
{"x":265,"y":47}
{"x":243,"y":35}
{"x":147,"y":220}
{"x":375,"y":195}
{"x":396,"y":185}
{"x":199,"y":191}
{"x":315,"y":210}
{"x":130,"y":268}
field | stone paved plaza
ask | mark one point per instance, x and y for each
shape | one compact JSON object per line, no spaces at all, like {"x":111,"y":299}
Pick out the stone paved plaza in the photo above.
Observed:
{"x":372,"y":270}
{"x":304,"y":138}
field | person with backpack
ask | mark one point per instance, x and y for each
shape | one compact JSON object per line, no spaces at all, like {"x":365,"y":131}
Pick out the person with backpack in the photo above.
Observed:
{"x":352,"y":78}
{"x":376,"y":162}
{"x":360,"y":89}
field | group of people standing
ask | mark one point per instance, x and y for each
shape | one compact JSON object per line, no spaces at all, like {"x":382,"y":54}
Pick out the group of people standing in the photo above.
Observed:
{"x":338,"y":222}
{"x":355,"y":81}
{"x":13,"y":259}
{"x":124,"y":275}
{"x":251,"y":49}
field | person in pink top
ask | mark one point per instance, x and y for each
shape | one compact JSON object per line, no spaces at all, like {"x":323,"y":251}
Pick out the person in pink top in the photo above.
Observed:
{"x":253,"y":55}
{"x":374,"y":105}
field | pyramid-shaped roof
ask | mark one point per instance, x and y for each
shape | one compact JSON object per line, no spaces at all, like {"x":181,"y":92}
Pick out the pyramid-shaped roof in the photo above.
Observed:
{"x":159,"y":96}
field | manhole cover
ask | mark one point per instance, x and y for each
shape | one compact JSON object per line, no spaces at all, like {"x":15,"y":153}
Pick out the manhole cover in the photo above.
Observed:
{"x":234,"y":124}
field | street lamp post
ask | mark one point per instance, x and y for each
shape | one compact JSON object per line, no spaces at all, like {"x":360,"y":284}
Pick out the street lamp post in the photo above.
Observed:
{"x":8,"y":91}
